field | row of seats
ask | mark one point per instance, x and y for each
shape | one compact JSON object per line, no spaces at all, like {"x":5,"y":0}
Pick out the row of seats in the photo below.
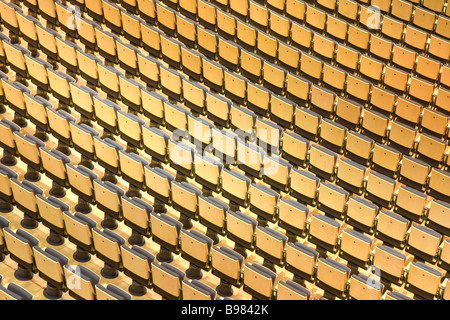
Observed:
{"x":261,"y":105}
{"x":230,"y":49}
{"x":321,"y":184}
{"x":331,"y":199}
{"x":225,"y":263}
{"x":164,"y":157}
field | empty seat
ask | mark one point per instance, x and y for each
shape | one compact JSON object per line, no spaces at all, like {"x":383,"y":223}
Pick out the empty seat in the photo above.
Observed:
{"x":408,"y":112}
{"x":292,"y":217}
{"x":436,"y":184}
{"x":81,"y":183}
{"x":295,"y":148}
{"x":332,"y":135}
{"x":307,"y":123}
{"x":20,"y":245}
{"x":6,"y":195}
{"x":137,"y":265}
{"x":110,"y":292}
{"x":136,"y":215}
{"x":356,"y":247}
{"x":50,"y":264}
{"x":24,"y":194}
{"x":380,"y":189}
{"x":208,"y":172}
{"x":436,"y":218}
{"x":375,"y":125}
{"x":108,"y":249}
{"x":185,"y":200}
{"x":226,"y":25}
{"x":438,"y":47}
{"x":270,"y":244}
{"x":166,"y":232}
{"x":227,"y":266}
{"x":195,"y":248}
{"x":423,"y":280}
{"x":410,"y":203}
{"x":264,"y":203}
{"x":333,"y":276}
{"x":391,"y":228}
{"x":290,"y":290}
{"x":54,"y":165}
{"x":386,"y":160}
{"x":301,"y":260}
{"x":241,"y":229}
{"x":212,"y":214}
{"x":107,"y":155}
{"x":332,"y":199}
{"x":85,"y":280}
{"x":132,"y":171}
{"x":324,"y":232}
{"x":108,"y":199}
{"x":192,"y":63}
{"x":158,"y":185}
{"x":424,"y":243}
{"x":258,"y":98}
{"x":14,"y":292}
{"x":391,"y":263}
{"x":402,"y":137}
{"x":361,"y":213}
{"x":259,"y":281}
{"x":322,"y":101}
{"x":351,"y":175}
{"x":79,"y":232}
{"x":297,"y":88}
{"x":431,"y":150}
{"x":322,"y":162}
{"x":196,"y":290}
{"x":359,"y":148}
{"x":363,"y":287}
{"x":304,"y":186}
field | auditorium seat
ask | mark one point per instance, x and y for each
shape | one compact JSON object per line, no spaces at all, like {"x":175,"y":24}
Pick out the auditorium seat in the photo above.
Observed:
{"x":81,"y":282}
{"x":227,"y":266}
{"x":108,"y":249}
{"x":423,"y":280}
{"x":110,"y":292}
{"x":392,"y":228}
{"x":50,"y":267}
{"x":380,"y":189}
{"x":324,"y":232}
{"x":292,"y":216}
{"x":196,"y":290}
{"x":241,"y":229}
{"x":196,"y":249}
{"x":436,"y":184}
{"x":212,"y":214}
{"x":322,"y":162}
{"x":362,"y":214}
{"x":20,"y":245}
{"x":290,"y":290}
{"x":51,"y":212}
{"x":304,"y":186}
{"x":351,"y":175}
{"x":166,"y":232}
{"x":24,"y":194}
{"x":259,"y":281}
{"x":333,"y":277}
{"x":410,"y":203}
{"x":108,"y":200}
{"x":436,"y":218}
{"x":391,"y":263}
{"x":356,"y":248}
{"x":79,"y":232}
{"x":301,"y":260}
{"x":386,"y":160}
{"x":424,"y":242}
{"x":81,"y":184}
{"x":271,"y":245}
{"x":363,"y":288}
{"x":7,"y":142}
{"x":137,"y":265}
{"x":295,"y":148}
